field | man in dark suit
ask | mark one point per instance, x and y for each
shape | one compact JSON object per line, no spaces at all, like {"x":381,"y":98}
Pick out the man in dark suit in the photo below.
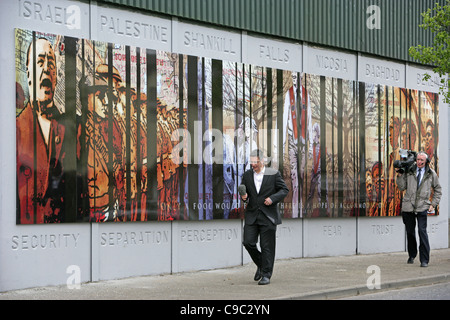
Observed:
{"x":264,"y":189}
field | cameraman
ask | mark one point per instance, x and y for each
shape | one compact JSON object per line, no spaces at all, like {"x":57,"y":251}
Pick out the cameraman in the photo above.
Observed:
{"x":418,"y":181}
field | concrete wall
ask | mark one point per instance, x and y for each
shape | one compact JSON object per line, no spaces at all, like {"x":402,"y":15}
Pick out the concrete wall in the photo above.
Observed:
{"x":41,"y":255}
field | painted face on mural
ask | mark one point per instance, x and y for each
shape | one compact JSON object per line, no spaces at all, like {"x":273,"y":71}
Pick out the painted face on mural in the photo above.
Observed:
{"x":99,"y":96}
{"x":378,"y":178}
{"x":408,"y":134}
{"x":101,"y":102}
{"x":45,"y":78}
{"x":394,"y":125}
{"x":428,"y":139}
{"x":369,"y":185}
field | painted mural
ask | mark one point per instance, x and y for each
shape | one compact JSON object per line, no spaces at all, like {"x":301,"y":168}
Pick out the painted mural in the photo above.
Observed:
{"x":107,"y":132}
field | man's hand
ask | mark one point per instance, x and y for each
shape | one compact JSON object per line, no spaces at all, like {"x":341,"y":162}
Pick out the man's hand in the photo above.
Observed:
{"x":268,"y":201}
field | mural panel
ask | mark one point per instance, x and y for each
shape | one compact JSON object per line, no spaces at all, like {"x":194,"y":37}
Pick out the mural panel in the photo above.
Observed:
{"x":114,"y":133}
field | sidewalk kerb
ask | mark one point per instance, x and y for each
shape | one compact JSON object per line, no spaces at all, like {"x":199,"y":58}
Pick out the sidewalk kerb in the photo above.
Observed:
{"x":358,"y":291}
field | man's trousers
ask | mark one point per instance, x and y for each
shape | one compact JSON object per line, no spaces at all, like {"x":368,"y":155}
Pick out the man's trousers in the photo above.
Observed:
{"x":409,"y":219}
{"x":266,"y":231}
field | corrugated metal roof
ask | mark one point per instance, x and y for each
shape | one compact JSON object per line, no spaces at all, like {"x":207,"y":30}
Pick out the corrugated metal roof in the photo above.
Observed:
{"x":336,"y":23}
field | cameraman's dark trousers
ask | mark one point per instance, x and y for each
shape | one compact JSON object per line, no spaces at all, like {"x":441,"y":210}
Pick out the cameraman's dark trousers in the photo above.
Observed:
{"x":409,"y":219}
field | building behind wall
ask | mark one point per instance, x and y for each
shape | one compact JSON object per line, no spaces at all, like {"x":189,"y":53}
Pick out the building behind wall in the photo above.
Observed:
{"x":344,"y":60}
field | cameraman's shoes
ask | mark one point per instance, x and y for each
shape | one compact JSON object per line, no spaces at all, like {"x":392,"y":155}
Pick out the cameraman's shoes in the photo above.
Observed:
{"x":410,"y":260}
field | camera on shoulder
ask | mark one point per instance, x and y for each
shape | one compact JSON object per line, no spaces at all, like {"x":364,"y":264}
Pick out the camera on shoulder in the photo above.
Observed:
{"x":407,"y":159}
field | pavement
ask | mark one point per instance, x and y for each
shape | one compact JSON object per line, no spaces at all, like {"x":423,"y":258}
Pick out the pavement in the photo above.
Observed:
{"x":293,"y":279}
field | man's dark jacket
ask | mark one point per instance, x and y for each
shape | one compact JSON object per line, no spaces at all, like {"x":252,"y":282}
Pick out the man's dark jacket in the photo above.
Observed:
{"x":272,"y":186}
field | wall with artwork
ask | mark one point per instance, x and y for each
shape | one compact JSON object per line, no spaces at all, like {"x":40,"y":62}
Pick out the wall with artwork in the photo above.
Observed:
{"x":126,"y":135}
{"x":117,"y":133}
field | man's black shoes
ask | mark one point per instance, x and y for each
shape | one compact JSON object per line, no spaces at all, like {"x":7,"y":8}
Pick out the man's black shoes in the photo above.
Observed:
{"x":264,"y":280}
{"x":410,"y":260}
{"x":257,"y":274}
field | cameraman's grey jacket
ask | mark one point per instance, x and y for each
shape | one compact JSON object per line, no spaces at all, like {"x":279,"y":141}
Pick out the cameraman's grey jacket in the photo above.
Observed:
{"x":419,"y":200}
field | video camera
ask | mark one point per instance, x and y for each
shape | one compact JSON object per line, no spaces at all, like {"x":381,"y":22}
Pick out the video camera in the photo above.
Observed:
{"x":408,"y":158}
